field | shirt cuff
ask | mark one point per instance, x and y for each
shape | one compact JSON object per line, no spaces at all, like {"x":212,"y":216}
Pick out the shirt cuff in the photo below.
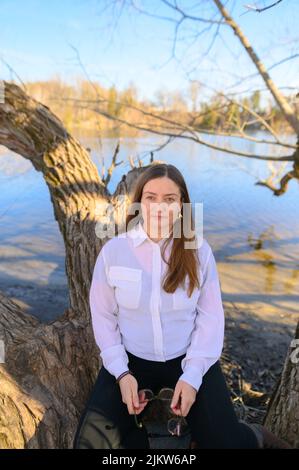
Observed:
{"x":118,"y":365}
{"x":194,"y":368}
{"x":193,"y":376}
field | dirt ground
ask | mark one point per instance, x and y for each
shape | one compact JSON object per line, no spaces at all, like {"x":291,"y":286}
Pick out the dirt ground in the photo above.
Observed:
{"x":255,"y":349}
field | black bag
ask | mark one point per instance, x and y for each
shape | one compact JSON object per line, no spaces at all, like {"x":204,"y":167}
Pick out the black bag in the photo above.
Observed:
{"x":95,"y":431}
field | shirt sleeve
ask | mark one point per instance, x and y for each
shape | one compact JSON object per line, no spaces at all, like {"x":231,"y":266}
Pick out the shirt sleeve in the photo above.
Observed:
{"x":208,"y":334}
{"x":103,"y":307}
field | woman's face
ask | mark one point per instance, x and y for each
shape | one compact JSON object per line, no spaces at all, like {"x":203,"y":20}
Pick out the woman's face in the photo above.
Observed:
{"x":161,"y":206}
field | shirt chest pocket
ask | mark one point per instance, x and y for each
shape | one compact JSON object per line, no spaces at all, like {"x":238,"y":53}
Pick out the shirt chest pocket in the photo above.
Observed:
{"x":182,"y":301}
{"x":127,"y":282}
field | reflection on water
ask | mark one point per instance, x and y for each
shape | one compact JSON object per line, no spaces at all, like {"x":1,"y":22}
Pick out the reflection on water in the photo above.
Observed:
{"x":254,"y":235}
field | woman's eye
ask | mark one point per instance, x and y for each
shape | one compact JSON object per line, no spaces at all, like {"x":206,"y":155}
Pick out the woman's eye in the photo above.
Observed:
{"x":168,"y":199}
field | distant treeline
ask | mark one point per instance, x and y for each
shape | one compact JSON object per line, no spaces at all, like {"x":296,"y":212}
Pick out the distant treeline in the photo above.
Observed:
{"x":75,"y":105}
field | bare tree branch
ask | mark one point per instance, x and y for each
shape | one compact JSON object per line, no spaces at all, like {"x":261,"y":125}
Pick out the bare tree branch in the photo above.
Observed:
{"x":260,"y":10}
{"x":283,"y":183}
{"x":277,"y":95}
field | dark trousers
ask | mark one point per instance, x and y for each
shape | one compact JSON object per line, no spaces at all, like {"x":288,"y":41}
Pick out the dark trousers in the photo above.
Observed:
{"x":106,"y":423}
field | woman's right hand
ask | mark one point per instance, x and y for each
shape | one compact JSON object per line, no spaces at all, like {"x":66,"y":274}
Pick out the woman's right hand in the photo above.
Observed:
{"x":129,"y":391}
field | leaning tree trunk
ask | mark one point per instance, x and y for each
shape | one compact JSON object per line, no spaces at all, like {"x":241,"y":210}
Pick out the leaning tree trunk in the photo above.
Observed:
{"x":282,"y":416}
{"x":49,"y":369}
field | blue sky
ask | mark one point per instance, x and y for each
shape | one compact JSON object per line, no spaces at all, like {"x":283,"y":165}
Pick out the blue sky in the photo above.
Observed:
{"x":36,"y":39}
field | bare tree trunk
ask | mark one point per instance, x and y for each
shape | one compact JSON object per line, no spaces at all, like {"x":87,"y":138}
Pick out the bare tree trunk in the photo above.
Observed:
{"x":49,"y":369}
{"x":282,"y":416}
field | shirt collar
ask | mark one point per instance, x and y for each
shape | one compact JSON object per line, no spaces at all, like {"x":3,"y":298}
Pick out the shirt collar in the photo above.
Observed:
{"x":139,"y":235}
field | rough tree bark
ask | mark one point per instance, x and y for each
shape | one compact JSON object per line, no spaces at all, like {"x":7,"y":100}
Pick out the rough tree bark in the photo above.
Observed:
{"x":283,"y":410}
{"x":49,"y":368}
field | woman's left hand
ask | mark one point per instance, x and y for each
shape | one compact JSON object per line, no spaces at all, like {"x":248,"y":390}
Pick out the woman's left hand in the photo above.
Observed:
{"x":183,"y":398}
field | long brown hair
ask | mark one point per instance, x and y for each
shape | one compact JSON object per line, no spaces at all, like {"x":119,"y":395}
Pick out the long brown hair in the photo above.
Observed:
{"x":182,"y":262}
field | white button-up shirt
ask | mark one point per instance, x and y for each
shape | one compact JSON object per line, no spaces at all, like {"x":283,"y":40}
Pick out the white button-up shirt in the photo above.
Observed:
{"x":131,"y":312}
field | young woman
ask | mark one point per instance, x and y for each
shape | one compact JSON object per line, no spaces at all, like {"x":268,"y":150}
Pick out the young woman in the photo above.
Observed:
{"x":158,"y":320}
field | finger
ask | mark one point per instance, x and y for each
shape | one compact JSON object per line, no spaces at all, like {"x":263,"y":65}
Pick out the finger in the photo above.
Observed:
{"x":130,"y":403}
{"x":135,"y":399}
{"x":141,"y":408}
{"x":141,"y":405}
{"x":177,"y":409}
{"x":184,"y":404}
{"x":130,"y":407}
{"x":175,"y":398}
{"x":142,"y":398}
